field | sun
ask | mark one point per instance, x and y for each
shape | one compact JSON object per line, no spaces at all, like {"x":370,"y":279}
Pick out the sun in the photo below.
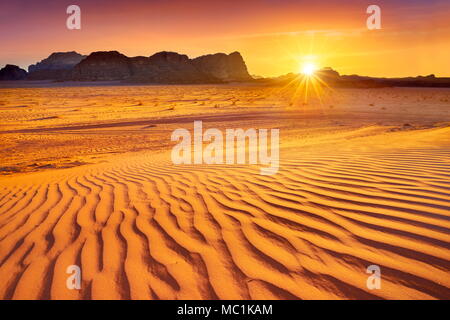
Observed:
{"x":308,"y":68}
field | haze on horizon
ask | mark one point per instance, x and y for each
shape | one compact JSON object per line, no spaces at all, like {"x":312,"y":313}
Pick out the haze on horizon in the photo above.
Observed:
{"x":274,"y":37}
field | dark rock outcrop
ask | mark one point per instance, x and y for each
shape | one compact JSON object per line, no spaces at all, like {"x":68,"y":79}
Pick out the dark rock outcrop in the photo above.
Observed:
{"x":325,"y":77}
{"x":12,"y":72}
{"x":56,"y":67}
{"x":102,"y":66}
{"x":224,"y":67}
{"x":419,"y":81}
{"x":162,"y":67}
{"x":328,"y":73}
{"x":168,"y":67}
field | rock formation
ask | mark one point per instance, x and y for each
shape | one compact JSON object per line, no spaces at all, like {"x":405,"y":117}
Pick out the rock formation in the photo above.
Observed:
{"x":224,"y":67}
{"x":328,"y":73}
{"x":168,"y":67}
{"x":162,"y":67}
{"x":102,"y":66}
{"x":174,"y":68}
{"x":12,"y":72}
{"x":56,"y":67}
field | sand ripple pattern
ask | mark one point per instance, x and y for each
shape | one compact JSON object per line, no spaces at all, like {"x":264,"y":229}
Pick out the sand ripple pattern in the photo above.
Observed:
{"x":150,"y":230}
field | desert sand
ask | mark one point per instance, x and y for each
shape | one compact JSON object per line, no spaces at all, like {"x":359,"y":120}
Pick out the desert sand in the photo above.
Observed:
{"x":86,"y":179}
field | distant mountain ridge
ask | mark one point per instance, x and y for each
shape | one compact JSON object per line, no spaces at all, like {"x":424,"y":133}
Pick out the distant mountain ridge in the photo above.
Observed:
{"x":332,"y":78}
{"x":162,"y":67}
{"x":55,"y":67}
{"x":174,"y":68}
{"x":12,"y":72}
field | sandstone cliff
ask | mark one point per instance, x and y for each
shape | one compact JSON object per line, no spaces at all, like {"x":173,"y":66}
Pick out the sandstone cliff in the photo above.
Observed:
{"x":225,"y":67}
{"x":55,"y":67}
{"x":12,"y":72}
{"x":102,"y":65}
{"x":162,"y":67}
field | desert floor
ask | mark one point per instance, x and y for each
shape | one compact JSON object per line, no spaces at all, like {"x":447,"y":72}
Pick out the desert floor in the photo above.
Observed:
{"x":86,"y":179}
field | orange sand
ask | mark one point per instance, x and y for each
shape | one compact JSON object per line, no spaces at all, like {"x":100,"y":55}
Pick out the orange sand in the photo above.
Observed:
{"x":87,"y":180}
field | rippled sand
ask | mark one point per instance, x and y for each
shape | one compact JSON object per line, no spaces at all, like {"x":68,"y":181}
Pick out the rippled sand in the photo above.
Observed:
{"x":87,"y":180}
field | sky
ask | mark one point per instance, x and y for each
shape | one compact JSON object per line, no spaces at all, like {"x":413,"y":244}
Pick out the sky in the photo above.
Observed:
{"x":274,"y":36}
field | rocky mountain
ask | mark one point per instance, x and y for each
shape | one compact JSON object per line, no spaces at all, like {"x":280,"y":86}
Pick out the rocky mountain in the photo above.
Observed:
{"x":56,"y":67}
{"x":101,"y":66}
{"x":12,"y":72}
{"x":225,"y":67}
{"x":419,"y":81}
{"x":162,"y":67}
{"x":174,"y":68}
{"x":168,"y":67}
{"x":332,"y":78}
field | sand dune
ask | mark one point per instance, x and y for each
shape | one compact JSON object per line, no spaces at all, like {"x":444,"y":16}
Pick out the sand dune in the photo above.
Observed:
{"x":143,"y":228}
{"x":366,"y":182}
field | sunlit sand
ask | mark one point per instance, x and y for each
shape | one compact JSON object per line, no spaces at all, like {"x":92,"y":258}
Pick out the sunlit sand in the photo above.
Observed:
{"x":86,"y":179}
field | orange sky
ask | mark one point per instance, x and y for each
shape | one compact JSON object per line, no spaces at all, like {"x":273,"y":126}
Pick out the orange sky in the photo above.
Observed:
{"x":274,"y":36}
